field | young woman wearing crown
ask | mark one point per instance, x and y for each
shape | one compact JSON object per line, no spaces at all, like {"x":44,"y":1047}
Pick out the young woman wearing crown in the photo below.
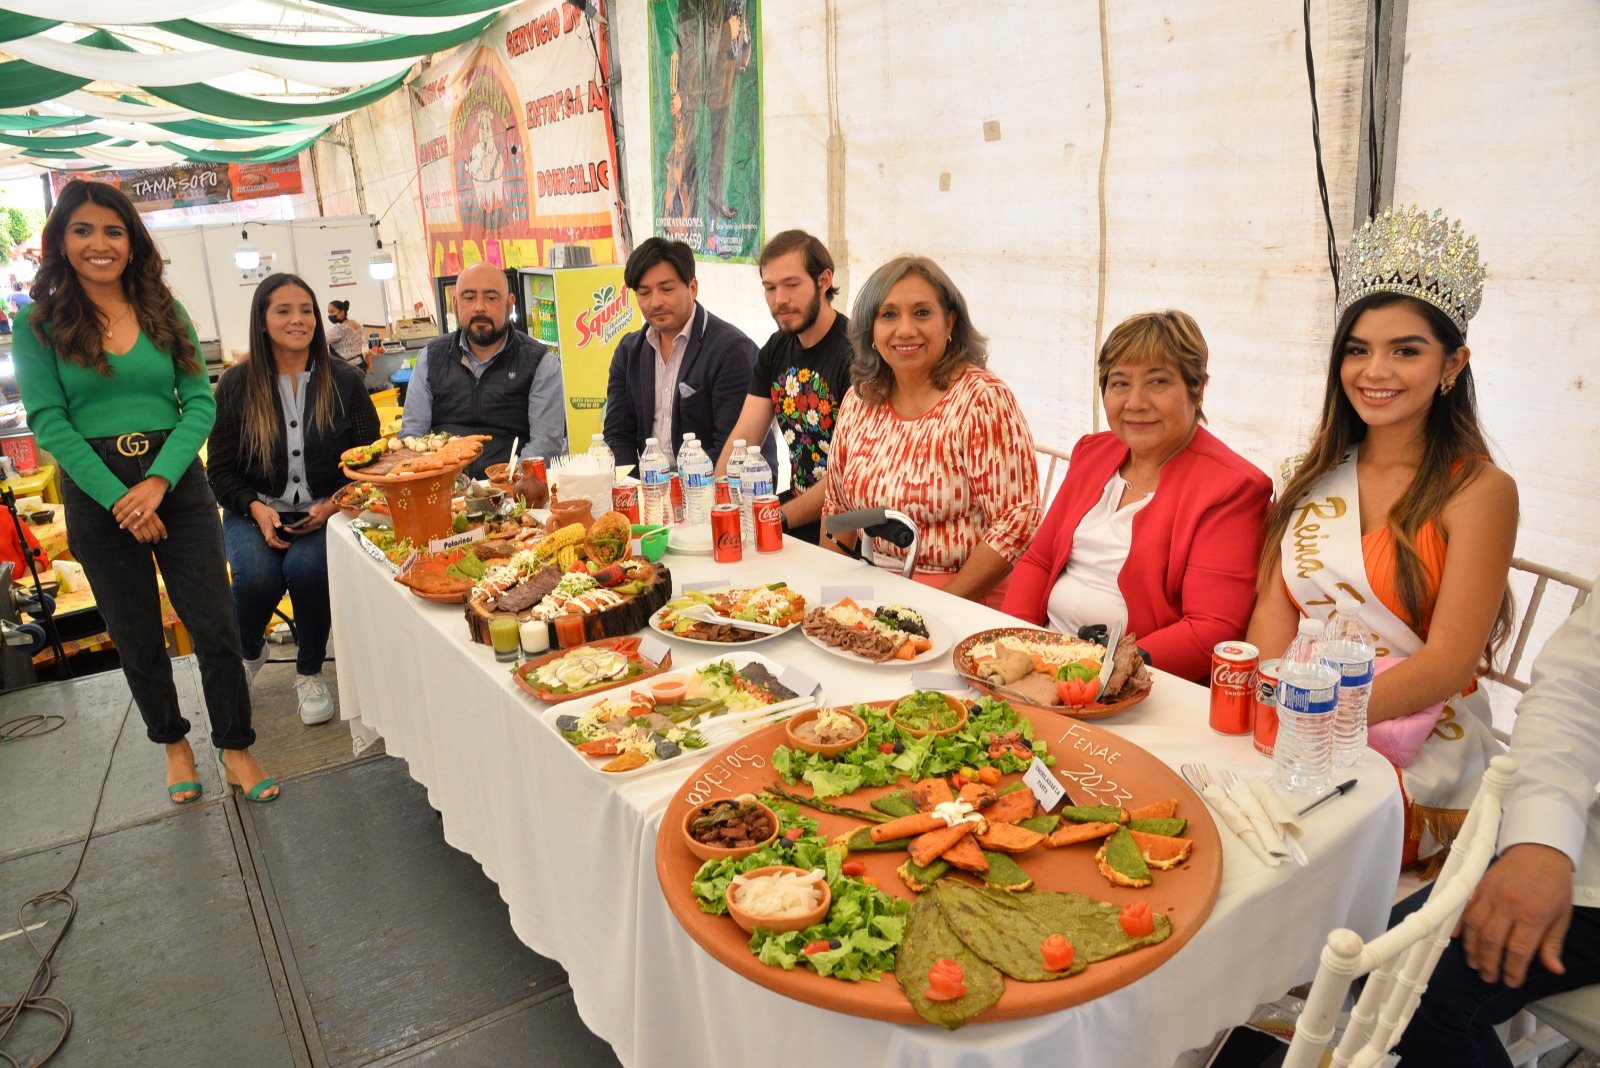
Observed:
{"x":1398,"y":504}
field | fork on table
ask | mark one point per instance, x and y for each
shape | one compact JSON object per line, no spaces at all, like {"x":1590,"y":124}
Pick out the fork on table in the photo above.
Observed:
{"x":1200,"y":776}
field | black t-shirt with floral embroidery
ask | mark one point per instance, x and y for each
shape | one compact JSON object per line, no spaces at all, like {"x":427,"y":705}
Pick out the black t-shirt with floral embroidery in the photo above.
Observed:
{"x":806,"y":387}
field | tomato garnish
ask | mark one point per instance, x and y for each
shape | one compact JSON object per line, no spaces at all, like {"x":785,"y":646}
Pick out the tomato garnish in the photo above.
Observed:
{"x":794,"y":833}
{"x":853,"y":867}
{"x":1075,"y":693}
{"x":1137,"y":919}
{"x":1057,"y":953}
{"x":819,"y":946}
{"x":989,"y":775}
{"x":946,"y":981}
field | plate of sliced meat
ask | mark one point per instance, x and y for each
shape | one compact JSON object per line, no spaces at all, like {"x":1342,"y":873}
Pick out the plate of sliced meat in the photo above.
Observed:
{"x":883,"y":634}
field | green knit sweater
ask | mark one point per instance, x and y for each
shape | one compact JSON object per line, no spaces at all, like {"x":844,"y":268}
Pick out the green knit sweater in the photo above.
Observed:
{"x":67,"y":403}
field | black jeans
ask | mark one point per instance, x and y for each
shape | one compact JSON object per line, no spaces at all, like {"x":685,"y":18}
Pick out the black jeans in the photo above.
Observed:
{"x":122,"y":573}
{"x":1454,"y":1024}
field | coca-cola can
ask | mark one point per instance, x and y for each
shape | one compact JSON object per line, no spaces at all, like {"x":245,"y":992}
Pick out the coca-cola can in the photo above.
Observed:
{"x":676,"y":484}
{"x":768,"y":519}
{"x":727,"y":545}
{"x":721,"y":492}
{"x":1266,"y":699}
{"x":540,"y":471}
{"x":1233,"y":687}
{"x":625,"y":499}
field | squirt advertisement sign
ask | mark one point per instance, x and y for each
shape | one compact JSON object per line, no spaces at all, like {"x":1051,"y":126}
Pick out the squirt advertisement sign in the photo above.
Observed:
{"x":596,"y":310}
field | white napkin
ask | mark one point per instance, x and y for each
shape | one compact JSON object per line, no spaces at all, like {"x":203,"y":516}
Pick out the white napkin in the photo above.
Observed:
{"x":1238,"y":823}
{"x":1244,"y":796}
{"x":1277,"y":811}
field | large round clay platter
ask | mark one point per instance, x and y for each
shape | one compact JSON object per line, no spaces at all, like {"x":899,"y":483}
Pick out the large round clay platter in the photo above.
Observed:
{"x":963,"y":664}
{"x":1095,"y":766}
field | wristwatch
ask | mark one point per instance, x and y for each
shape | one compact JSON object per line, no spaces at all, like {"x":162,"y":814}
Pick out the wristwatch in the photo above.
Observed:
{"x":783,"y":520}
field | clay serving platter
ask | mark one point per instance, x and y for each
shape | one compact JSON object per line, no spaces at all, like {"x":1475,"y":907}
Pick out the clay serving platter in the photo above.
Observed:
{"x":628,"y":647}
{"x":1096,"y":767}
{"x":961,"y":657}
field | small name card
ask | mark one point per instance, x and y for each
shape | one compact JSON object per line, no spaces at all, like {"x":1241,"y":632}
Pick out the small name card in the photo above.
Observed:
{"x":937,"y":680}
{"x":706,"y":584}
{"x":798,"y":681}
{"x":835,"y":594}
{"x":466,"y":537}
{"x":653,"y":648}
{"x":1044,"y":785}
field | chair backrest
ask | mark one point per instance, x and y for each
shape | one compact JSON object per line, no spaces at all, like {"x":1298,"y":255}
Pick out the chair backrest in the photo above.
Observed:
{"x":1400,"y":960}
{"x":388,"y":414}
{"x":386,"y":398}
{"x":1542,"y":577}
{"x":1057,"y":466}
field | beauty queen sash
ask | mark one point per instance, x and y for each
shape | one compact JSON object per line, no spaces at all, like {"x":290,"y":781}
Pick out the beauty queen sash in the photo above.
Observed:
{"x":1321,"y":561}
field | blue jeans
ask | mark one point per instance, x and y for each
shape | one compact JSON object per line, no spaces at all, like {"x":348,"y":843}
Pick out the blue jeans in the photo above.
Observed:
{"x":122,"y":573}
{"x":1454,"y":1023}
{"x":261,"y":575}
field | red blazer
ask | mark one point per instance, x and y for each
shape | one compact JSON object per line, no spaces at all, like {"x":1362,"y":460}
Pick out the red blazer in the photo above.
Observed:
{"x":1190,"y":578}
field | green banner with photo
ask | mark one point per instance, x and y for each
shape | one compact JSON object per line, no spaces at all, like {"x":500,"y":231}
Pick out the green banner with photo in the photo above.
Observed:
{"x":705,"y":125}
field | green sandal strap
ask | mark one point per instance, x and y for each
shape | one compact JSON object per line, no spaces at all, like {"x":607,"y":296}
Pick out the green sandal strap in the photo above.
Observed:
{"x":179,"y":787}
{"x":254,"y":792}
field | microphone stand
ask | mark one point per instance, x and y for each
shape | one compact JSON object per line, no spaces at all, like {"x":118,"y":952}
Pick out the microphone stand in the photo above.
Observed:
{"x":46,"y":611}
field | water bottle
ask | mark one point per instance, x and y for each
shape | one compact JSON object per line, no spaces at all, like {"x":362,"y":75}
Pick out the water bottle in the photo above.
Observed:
{"x":735,"y":471}
{"x":695,"y":468}
{"x":1308,"y":694}
{"x":754,"y":481}
{"x":604,"y":458}
{"x":657,"y":491}
{"x":1348,"y":647}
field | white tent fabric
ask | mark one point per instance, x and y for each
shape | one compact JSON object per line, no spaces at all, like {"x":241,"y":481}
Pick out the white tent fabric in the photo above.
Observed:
{"x":111,"y":12}
{"x":129,"y":156}
{"x":198,"y":65}
{"x":83,"y":103}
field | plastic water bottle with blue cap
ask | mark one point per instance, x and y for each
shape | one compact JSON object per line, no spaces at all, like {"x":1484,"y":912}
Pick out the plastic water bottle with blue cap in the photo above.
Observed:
{"x":1308,"y":696}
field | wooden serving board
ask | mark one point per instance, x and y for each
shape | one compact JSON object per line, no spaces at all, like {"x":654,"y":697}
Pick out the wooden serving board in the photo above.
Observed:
{"x":1096,"y":767}
{"x":629,"y":617}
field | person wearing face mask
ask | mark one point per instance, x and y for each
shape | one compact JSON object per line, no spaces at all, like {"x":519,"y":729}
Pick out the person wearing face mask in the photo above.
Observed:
{"x":344,"y":336}
{"x":686,"y":371}
{"x":487,"y":378}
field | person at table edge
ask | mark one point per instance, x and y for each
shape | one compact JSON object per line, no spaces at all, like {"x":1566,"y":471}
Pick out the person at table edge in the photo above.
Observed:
{"x":927,"y":430}
{"x":1532,"y":927}
{"x":1157,"y":523}
{"x":686,"y":371}
{"x":488,"y":378}
{"x":801,"y":375}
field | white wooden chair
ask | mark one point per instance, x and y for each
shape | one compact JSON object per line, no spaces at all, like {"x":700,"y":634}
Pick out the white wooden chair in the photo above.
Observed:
{"x":1569,"y":1017}
{"x":1399,"y":961}
{"x":1057,"y":465}
{"x":1542,"y":577}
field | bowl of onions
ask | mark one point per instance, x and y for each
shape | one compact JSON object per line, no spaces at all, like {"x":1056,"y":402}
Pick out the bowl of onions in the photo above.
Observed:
{"x":778,"y":898}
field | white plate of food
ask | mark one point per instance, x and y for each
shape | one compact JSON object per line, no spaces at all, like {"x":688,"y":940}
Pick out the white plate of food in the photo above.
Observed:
{"x":676,"y":718}
{"x":887,"y":633}
{"x":776,"y":604}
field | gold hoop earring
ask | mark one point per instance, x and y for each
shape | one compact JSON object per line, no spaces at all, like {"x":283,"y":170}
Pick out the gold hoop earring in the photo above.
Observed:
{"x":1446,"y":386}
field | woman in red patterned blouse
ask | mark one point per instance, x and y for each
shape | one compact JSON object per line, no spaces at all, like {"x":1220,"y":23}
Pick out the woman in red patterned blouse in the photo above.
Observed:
{"x":926,"y":430}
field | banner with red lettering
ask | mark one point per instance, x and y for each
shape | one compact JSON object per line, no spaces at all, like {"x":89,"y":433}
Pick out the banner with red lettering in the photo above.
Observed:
{"x":514,"y":141}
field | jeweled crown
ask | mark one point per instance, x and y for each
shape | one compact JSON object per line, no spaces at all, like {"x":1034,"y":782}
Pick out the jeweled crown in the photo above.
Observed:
{"x":1418,"y":254}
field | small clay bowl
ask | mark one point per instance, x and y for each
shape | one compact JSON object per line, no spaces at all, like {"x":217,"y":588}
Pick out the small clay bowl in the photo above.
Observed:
{"x":749,"y":923}
{"x":829,"y":750}
{"x":711,"y":852}
{"x":500,"y":473}
{"x":954,"y":703}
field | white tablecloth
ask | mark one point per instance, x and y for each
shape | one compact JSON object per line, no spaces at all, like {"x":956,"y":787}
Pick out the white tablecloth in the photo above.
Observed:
{"x":573,"y":852}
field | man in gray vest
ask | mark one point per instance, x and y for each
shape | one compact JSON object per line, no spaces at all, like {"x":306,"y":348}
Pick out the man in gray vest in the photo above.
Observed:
{"x":488,"y":379}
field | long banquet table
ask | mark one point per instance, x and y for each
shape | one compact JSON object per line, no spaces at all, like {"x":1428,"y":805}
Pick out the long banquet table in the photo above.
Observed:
{"x":573,"y":852}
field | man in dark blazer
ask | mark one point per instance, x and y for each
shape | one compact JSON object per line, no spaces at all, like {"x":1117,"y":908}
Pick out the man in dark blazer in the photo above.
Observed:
{"x":686,"y":371}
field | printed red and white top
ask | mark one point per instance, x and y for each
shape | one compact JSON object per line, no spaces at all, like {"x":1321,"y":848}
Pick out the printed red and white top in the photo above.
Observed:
{"x":964,"y":471}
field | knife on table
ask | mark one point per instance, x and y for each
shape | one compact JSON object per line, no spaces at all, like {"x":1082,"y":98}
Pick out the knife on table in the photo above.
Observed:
{"x":1109,"y":663}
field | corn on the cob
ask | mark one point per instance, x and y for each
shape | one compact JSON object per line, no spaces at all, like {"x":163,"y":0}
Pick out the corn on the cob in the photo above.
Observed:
{"x":566,"y":557}
{"x":569,"y":535}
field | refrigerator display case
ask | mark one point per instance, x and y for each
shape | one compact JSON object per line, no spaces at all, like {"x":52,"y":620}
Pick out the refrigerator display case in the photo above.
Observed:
{"x":579,"y":313}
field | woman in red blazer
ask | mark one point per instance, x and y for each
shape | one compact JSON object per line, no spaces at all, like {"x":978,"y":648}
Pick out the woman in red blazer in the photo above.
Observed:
{"x":1168,"y":520}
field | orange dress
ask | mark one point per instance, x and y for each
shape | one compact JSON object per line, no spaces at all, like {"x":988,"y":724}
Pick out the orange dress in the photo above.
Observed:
{"x":1380,"y":554}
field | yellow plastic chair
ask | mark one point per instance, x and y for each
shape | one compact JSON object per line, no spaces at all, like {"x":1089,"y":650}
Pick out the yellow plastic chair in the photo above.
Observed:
{"x":387,"y":398}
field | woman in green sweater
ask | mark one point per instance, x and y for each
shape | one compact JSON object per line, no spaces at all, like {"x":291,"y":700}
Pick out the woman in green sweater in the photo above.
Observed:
{"x":114,"y":386}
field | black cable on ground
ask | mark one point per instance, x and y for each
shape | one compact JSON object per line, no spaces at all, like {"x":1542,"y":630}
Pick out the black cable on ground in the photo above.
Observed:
{"x":35,"y":997}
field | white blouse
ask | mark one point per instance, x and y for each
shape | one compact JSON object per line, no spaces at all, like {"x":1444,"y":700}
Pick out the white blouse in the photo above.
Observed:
{"x":1086,"y":591}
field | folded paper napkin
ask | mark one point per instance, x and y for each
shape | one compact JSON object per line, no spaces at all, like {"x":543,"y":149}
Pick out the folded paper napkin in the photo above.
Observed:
{"x":1239,"y":823}
{"x":1284,"y":820}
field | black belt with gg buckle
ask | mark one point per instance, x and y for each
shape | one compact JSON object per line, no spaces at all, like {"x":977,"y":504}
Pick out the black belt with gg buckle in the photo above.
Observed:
{"x":139,"y":443}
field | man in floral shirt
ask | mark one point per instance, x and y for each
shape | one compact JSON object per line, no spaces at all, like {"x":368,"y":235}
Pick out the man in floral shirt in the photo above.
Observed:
{"x":801,"y":375}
